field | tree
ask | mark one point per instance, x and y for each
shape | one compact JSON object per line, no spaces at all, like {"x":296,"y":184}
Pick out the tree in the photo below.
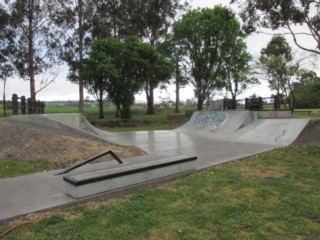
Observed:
{"x":288,"y":14}
{"x":175,"y":52}
{"x":36,"y":41}
{"x":238,"y":69}
{"x":307,"y":89}
{"x":7,"y":35}
{"x":151,"y":20}
{"x":112,"y":18}
{"x":141,"y":62}
{"x":99,"y":70}
{"x":121,"y":68}
{"x":206,"y":36}
{"x":75,"y":19}
{"x":277,"y":64}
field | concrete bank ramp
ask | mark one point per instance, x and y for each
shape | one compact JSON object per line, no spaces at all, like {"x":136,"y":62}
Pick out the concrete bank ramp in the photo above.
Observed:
{"x":246,"y":126}
{"x":277,"y":132}
{"x":237,"y":126}
{"x":218,"y":122}
{"x":71,"y":123}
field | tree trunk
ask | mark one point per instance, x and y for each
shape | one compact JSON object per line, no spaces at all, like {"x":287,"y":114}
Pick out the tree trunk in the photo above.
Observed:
{"x":234,"y":102}
{"x":31,"y":53}
{"x":293,"y":102}
{"x":150,"y":100}
{"x":4,"y":99}
{"x":200,"y":103}
{"x":81,"y":36}
{"x":177,"y":88}
{"x":125,"y":111}
{"x":177,"y":97}
{"x":101,"y":112}
{"x":117,"y":111}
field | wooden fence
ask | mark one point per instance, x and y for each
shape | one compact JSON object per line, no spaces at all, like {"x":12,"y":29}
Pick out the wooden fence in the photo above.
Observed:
{"x":255,"y":104}
{"x":26,"y":106}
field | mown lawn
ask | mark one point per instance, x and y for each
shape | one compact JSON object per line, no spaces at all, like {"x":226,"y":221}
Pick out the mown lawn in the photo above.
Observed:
{"x":272,"y":196}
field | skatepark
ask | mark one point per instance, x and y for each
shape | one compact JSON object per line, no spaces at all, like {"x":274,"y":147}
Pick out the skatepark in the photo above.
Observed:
{"x":206,"y":140}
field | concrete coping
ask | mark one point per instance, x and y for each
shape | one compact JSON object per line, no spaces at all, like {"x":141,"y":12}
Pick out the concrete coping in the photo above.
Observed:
{"x":124,"y":170}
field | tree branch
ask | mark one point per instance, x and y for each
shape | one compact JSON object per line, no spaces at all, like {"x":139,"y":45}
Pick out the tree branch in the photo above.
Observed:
{"x":47,"y":83}
{"x":296,"y":42}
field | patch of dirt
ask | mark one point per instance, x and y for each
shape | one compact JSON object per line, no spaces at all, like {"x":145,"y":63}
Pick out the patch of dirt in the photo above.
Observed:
{"x":27,"y":142}
{"x":310,"y":136}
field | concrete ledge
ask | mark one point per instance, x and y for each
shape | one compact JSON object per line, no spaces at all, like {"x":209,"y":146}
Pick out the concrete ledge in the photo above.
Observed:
{"x":91,"y":183}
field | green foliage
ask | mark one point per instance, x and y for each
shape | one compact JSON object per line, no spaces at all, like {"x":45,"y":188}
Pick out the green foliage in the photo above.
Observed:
{"x":238,"y":70}
{"x":307,"y":90}
{"x":280,"y":70}
{"x":274,"y":14}
{"x":122,"y":68}
{"x":273,"y":196}
{"x":207,"y":37}
{"x":36,"y":40}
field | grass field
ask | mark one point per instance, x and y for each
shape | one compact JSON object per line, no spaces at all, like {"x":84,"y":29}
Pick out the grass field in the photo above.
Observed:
{"x":272,"y":196}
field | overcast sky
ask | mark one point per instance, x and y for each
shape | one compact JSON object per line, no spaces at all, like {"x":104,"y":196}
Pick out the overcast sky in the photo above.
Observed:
{"x":62,"y":89}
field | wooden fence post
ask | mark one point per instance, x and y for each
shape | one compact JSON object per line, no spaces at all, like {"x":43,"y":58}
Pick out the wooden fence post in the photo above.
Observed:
{"x":260,"y":103}
{"x":23,"y":105}
{"x":15,"y":104}
{"x":29,"y":106}
{"x":246,"y":104}
{"x":42,"y":107}
{"x":276,"y":103}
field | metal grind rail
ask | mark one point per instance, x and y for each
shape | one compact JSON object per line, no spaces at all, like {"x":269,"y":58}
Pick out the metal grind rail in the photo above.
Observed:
{"x":84,"y":162}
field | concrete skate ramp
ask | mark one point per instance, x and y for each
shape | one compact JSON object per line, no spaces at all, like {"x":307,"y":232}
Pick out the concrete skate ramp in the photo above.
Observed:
{"x":73,"y":123}
{"x":237,"y":126}
{"x":244,"y":126}
{"x":78,"y":121}
{"x":277,"y":132}
{"x":218,"y":122}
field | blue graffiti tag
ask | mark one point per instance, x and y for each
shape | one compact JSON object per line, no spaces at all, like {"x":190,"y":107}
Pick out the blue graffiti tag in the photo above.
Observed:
{"x":212,"y":119}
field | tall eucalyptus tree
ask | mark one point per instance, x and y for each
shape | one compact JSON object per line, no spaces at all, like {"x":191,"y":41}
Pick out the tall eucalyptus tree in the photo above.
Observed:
{"x":7,"y":47}
{"x":287,"y":15}
{"x":151,"y":20}
{"x":75,"y":19}
{"x":36,"y":41}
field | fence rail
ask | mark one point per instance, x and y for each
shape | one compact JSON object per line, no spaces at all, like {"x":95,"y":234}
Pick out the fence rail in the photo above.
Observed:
{"x":270,"y":103}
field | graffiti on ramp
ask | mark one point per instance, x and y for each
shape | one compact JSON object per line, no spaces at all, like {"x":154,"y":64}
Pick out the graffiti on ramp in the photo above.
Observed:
{"x":211,"y":119}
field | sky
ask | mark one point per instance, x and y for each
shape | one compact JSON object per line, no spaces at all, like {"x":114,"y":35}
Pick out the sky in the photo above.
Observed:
{"x":64,"y":90}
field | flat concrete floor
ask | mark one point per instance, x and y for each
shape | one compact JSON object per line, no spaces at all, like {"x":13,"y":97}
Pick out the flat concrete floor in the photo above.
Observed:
{"x":210,"y":151}
{"x":35,"y":192}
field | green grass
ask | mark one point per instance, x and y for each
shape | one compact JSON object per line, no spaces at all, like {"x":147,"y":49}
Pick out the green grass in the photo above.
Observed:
{"x":157,"y":121}
{"x":12,"y":168}
{"x":315,"y":113}
{"x":273,"y":196}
